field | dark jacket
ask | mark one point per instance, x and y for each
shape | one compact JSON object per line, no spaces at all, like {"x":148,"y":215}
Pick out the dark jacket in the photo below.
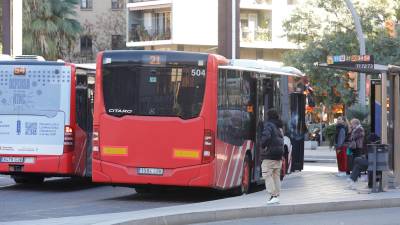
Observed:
{"x":341,"y":132}
{"x":272,"y":141}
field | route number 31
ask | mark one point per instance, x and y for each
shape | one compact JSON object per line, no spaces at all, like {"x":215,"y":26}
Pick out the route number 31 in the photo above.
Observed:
{"x":198,"y":72}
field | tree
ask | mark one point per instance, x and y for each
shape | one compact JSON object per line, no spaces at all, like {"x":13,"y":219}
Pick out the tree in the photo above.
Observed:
{"x":49,"y":28}
{"x":332,"y":32}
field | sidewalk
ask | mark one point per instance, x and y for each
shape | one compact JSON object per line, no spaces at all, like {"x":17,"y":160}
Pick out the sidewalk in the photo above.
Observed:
{"x":317,"y":189}
{"x":322,"y":154}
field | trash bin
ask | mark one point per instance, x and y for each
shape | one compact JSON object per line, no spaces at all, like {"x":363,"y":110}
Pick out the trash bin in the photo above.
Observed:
{"x":378,"y":161}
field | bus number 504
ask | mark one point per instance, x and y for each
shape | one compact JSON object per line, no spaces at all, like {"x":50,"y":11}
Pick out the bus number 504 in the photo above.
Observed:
{"x":198,"y":72}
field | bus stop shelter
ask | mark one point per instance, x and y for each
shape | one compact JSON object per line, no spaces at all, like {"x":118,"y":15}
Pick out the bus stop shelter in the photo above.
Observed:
{"x":390,"y":113}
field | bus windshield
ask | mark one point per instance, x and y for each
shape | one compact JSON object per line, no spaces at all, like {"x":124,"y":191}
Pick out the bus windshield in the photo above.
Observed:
{"x":169,"y":90}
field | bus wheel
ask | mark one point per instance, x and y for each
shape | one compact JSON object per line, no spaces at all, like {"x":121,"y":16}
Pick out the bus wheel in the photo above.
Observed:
{"x":246,"y":180}
{"x":28,"y":179}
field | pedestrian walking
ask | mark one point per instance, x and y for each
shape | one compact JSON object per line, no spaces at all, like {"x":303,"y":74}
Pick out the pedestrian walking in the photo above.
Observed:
{"x":271,"y":155}
{"x":340,"y":138}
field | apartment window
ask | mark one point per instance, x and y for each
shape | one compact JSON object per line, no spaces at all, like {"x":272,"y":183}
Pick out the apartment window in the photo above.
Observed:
{"x":117,"y":42}
{"x":117,"y":4}
{"x":86,"y":45}
{"x":86,"y":4}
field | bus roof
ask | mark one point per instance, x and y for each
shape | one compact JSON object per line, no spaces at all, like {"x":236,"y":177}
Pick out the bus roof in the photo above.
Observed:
{"x":263,"y":67}
{"x":86,"y":66}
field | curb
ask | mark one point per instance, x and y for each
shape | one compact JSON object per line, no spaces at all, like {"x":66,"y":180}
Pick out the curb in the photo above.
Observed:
{"x":276,"y":210}
{"x":320,"y":160}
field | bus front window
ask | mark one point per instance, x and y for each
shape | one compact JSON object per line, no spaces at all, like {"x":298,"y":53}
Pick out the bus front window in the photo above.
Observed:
{"x":153,"y":91}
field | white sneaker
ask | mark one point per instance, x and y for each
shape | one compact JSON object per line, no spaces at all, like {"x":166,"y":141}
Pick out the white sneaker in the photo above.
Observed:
{"x":364,"y":178}
{"x":352,"y":185}
{"x":341,"y":174}
{"x":273,"y":200}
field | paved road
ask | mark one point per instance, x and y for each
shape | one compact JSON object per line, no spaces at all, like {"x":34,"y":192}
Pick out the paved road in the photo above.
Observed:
{"x":384,"y":216}
{"x":66,"y":197}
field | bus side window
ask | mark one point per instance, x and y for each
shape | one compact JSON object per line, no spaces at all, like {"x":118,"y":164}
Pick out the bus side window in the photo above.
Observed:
{"x":82,"y":103}
{"x":221,"y":105}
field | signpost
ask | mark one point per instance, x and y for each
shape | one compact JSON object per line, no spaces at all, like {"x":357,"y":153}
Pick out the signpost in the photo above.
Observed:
{"x":352,"y":61}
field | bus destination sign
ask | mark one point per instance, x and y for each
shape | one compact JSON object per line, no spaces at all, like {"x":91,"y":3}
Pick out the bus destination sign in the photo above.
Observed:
{"x":352,"y":61}
{"x":155,"y":60}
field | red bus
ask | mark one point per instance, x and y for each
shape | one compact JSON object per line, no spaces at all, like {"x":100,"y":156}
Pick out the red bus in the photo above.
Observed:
{"x":180,"y":119}
{"x":45,"y":119}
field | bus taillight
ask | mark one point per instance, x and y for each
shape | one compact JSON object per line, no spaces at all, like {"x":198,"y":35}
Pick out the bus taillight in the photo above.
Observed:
{"x":68,"y":139}
{"x":208,"y":146}
{"x":95,"y":142}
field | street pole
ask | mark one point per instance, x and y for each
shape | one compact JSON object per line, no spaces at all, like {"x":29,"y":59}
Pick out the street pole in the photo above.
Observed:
{"x":361,"y":41}
{"x":320,"y":122}
{"x":228,"y":28}
{"x":6,"y":22}
{"x":233,"y":29}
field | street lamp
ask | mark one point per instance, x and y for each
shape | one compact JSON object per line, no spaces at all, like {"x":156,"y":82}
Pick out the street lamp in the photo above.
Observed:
{"x":361,"y":41}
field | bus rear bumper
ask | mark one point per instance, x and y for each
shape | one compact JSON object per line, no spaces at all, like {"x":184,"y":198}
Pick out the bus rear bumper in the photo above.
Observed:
{"x":46,"y":165}
{"x":191,"y":176}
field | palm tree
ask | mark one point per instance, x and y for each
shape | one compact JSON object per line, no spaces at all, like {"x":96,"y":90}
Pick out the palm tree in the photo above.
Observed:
{"x":49,"y":27}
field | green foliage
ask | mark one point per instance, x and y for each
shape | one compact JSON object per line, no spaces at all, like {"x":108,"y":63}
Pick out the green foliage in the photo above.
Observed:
{"x":359,"y":112}
{"x":330,"y":132}
{"x":49,"y":28}
{"x":332,"y":32}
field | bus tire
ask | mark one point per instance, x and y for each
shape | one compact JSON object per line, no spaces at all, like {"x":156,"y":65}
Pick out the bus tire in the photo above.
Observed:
{"x":28,"y":179}
{"x":245,"y":184}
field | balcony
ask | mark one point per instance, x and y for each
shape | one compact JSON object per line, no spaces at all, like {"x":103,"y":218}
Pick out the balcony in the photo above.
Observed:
{"x":138,"y":33}
{"x":150,"y":25}
{"x":255,"y":27}
{"x":257,"y":35}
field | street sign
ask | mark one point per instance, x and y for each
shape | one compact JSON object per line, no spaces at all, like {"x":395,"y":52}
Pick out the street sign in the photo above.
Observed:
{"x":352,"y":61}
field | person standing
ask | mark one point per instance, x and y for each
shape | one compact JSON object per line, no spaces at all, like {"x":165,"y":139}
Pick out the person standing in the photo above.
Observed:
{"x":340,"y":137}
{"x":271,"y":156}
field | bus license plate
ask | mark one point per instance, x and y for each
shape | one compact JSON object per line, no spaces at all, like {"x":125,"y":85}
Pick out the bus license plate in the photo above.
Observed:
{"x":11,"y":159}
{"x":150,"y":171}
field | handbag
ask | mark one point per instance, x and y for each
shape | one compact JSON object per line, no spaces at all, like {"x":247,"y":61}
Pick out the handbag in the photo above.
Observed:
{"x":353,"y":144}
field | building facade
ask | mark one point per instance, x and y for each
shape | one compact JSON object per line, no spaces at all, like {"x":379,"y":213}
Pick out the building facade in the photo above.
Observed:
{"x":11,"y":27}
{"x":103,"y":28}
{"x":192,"y":25}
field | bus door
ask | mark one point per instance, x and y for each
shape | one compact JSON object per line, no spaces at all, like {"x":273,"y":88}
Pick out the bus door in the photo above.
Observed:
{"x":84,"y":119}
{"x":249,"y":95}
{"x":264,"y":101}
